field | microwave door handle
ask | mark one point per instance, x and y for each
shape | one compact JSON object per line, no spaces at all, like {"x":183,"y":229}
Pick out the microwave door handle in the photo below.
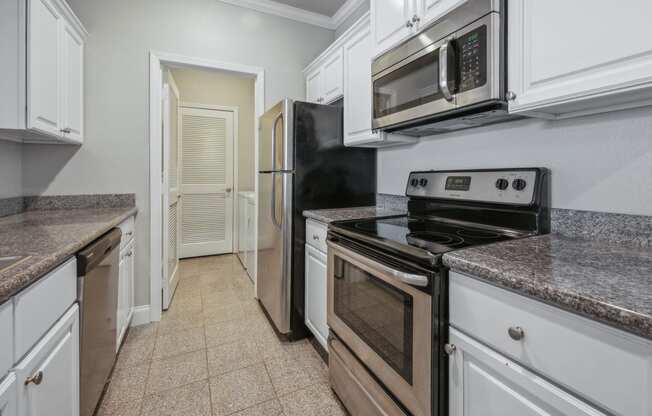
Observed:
{"x":443,"y":71}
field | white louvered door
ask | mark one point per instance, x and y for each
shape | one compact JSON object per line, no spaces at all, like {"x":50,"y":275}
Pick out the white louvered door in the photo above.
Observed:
{"x":206,"y":182}
{"x":171,"y":194}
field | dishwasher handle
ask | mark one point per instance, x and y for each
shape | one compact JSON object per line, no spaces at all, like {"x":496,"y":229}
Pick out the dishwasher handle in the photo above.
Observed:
{"x":93,"y":254}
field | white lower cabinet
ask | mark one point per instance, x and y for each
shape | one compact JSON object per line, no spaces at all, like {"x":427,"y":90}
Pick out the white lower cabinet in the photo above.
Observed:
{"x":316,"y":278}
{"x":485,"y":383}
{"x":8,"y":395}
{"x":48,"y":377}
{"x":125,"y":291}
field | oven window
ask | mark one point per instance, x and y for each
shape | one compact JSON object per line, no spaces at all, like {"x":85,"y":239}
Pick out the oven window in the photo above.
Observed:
{"x":410,"y":86}
{"x":380,"y":314}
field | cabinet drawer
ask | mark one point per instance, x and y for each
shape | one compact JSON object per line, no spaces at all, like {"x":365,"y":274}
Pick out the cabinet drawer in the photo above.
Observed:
{"x":38,"y":307}
{"x":127,"y":227}
{"x":579,"y":354}
{"x":7,"y":336}
{"x":316,"y":235}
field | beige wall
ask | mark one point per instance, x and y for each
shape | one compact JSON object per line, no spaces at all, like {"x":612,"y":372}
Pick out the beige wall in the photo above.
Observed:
{"x":222,"y":88}
{"x":11,"y":174}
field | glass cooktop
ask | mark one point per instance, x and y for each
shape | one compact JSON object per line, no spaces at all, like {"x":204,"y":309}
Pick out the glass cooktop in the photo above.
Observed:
{"x":426,"y":234}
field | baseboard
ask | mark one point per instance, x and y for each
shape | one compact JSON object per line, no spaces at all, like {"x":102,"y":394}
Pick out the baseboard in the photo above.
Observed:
{"x":140,"y":316}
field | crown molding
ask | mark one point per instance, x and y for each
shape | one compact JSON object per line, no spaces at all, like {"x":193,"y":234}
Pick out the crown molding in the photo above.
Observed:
{"x":345,"y":11}
{"x":300,"y":15}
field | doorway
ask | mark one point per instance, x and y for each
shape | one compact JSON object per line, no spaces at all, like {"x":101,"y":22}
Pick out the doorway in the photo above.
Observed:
{"x":197,"y":180}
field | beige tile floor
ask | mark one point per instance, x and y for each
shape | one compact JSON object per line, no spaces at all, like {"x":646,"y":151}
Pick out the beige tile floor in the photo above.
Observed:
{"x":215,"y":354}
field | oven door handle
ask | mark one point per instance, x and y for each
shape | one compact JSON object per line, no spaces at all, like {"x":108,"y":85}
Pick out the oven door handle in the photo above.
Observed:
{"x":405,"y":277}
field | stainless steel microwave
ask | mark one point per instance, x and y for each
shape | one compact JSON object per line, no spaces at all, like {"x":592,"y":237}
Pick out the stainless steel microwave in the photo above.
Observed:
{"x":450,"y":76}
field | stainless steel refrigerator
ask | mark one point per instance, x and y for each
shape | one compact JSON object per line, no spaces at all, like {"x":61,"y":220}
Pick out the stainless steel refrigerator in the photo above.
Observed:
{"x":303,"y":165}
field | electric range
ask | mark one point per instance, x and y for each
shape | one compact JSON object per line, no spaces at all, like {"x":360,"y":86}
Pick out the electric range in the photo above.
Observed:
{"x":388,"y":287}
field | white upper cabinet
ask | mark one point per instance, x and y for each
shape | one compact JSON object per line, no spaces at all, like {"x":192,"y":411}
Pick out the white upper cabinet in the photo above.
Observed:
{"x":578,"y":57}
{"x":391,"y":22}
{"x":41,"y":95}
{"x":332,"y":76}
{"x":314,"y":86}
{"x":430,"y":10}
{"x":324,"y":77}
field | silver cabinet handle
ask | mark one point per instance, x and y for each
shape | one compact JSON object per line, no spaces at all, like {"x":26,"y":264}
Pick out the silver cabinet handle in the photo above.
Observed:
{"x":67,"y":130}
{"x":409,"y":24}
{"x":35,"y":379}
{"x":315,"y":237}
{"x":450,"y":349}
{"x":516,"y":333}
{"x":443,"y":71}
{"x":415,"y":19}
{"x":130,"y":233}
{"x":510,"y":96}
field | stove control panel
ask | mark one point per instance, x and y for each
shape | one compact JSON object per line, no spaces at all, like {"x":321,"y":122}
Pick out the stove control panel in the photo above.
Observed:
{"x":516,"y":187}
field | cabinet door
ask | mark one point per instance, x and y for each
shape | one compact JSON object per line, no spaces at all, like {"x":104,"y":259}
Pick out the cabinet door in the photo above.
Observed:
{"x":44,"y":67}
{"x":431,"y":10}
{"x":483,"y":382}
{"x":314,"y":86}
{"x":72,"y":120}
{"x":8,"y":396}
{"x":316,"y":294}
{"x":332,"y":76}
{"x":48,"y":378}
{"x":121,"y":313}
{"x":391,"y":22}
{"x":357,"y":88}
{"x":129,"y":287}
{"x":564,"y":62}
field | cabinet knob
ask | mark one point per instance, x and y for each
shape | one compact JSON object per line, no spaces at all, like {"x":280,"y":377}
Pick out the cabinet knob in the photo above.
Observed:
{"x":36,"y":379}
{"x":66,"y":130}
{"x":315,"y":237}
{"x":450,"y":349}
{"x":416,"y":19}
{"x":516,"y":333}
{"x":409,"y":24}
{"x":510,"y":96}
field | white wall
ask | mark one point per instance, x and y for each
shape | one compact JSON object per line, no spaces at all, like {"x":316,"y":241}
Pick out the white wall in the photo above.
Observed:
{"x":232,"y":90}
{"x":11,"y":175}
{"x":114,"y":157}
{"x":598,"y":163}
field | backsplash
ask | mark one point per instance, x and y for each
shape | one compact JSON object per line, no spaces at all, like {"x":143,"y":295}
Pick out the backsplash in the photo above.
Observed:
{"x":393,"y":202}
{"x":12,"y":206}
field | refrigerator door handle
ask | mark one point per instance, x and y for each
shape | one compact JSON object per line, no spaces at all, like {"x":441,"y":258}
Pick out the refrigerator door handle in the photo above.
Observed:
{"x":277,"y":224}
{"x":276,"y":120}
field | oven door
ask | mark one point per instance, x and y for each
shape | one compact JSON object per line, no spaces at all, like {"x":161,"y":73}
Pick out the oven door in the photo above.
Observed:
{"x":384,"y":321}
{"x":461,"y":70}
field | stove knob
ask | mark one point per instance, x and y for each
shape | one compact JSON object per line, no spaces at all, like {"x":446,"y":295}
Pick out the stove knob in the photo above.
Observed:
{"x":423,"y":182}
{"x":519,"y":184}
{"x":414,"y":182}
{"x":502,"y":184}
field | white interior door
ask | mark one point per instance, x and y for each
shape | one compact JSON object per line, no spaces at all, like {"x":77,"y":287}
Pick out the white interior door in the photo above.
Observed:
{"x":171,"y":195}
{"x":207,"y":142}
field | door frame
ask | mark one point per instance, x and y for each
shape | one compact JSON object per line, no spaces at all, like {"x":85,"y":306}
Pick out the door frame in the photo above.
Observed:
{"x":156,"y":60}
{"x":236,"y":123}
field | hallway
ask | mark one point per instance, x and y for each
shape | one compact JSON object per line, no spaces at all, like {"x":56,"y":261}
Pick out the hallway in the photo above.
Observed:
{"x":215,"y":354}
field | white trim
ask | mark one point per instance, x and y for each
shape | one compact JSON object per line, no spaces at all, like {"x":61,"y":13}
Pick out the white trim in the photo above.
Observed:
{"x":300,"y":15}
{"x":155,"y":149}
{"x":140,"y":315}
{"x":286,"y":11}
{"x":345,"y":11}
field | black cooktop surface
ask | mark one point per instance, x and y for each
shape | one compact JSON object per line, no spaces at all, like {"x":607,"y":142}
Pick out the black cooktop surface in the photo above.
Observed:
{"x":422,"y":234}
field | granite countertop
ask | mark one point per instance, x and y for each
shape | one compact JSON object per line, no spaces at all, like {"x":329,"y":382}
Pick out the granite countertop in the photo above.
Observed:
{"x":340,"y":214}
{"x":49,"y":237}
{"x":603,"y":281}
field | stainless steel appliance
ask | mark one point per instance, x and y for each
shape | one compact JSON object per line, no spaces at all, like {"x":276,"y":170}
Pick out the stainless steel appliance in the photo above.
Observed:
{"x":97,"y":288}
{"x":303,"y":165}
{"x":450,"y":76}
{"x":388,"y":288}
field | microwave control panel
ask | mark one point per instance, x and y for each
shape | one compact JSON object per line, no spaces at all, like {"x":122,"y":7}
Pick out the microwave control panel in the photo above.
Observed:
{"x":472,"y":52}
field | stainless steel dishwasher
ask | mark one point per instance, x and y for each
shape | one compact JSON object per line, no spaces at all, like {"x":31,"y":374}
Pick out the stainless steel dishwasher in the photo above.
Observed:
{"x":97,"y":291}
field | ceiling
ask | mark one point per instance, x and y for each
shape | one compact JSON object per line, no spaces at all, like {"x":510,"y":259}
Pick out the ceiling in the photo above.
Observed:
{"x":325,"y":7}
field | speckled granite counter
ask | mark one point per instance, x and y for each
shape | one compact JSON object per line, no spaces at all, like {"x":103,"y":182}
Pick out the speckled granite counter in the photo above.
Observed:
{"x":340,"y":214}
{"x":602,"y":281}
{"x":49,"y":237}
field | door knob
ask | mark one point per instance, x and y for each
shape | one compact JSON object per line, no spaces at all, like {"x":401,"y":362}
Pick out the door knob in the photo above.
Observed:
{"x":516,"y":333}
